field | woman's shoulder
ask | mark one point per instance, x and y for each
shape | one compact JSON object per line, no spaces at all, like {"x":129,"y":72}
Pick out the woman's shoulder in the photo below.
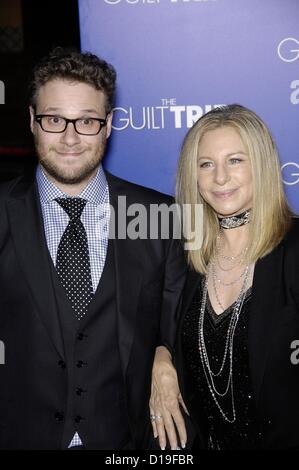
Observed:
{"x":291,"y":239}
{"x":295,"y":223}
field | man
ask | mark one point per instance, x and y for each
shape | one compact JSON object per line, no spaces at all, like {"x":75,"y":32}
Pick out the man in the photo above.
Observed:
{"x":80,"y":314}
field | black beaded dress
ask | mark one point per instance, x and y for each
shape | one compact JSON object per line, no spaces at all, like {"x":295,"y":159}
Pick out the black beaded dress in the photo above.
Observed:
{"x":245,"y":431}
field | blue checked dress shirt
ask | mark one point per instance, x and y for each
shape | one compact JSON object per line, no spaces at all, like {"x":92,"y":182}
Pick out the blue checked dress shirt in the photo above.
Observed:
{"x":95,"y":218}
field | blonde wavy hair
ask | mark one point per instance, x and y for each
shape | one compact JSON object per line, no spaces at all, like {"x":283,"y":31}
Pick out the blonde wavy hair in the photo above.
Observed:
{"x":270,"y":215}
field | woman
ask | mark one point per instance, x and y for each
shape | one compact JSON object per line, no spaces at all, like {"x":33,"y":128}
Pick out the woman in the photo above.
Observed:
{"x":240,"y":307}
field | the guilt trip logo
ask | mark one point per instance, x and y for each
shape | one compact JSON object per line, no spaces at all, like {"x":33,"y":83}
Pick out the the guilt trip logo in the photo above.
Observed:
{"x":294,"y":98}
{"x":290,"y":173}
{"x":288,"y":52}
{"x":166,"y":115}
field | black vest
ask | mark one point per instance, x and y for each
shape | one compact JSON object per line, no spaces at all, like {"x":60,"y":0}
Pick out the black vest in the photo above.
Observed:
{"x":95,"y":404}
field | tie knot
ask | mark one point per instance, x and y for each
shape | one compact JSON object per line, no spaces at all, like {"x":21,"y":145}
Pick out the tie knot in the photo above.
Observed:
{"x":73,"y":206}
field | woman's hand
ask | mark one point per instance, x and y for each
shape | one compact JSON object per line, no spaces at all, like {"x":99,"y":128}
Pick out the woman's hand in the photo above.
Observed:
{"x":165,"y":402}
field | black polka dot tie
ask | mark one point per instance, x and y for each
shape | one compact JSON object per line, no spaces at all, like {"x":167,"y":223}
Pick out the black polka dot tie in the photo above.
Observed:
{"x":72,"y":263}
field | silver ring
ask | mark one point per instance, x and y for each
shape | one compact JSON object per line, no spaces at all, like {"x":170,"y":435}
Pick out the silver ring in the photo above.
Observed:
{"x":159,"y":417}
{"x":153,"y":417}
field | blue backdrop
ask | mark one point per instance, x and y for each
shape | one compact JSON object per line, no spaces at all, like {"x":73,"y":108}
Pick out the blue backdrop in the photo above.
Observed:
{"x":177,"y":59}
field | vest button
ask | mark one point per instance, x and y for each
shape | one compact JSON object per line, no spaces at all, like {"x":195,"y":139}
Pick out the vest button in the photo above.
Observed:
{"x":62,"y":364}
{"x":78,"y":419}
{"x":81,"y":363}
{"x":80,"y":390}
{"x":59,"y":416}
{"x":81,"y":336}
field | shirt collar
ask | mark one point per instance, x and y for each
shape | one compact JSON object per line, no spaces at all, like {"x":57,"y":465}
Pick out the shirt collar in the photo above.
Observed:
{"x":96,"y":191}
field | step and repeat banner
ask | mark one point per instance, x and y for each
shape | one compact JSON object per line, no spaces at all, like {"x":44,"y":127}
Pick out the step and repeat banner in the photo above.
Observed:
{"x":178,"y":59}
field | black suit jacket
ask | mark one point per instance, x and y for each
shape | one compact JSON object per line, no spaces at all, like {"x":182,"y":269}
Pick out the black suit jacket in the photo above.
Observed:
{"x":273,"y":326}
{"x":149,"y":279}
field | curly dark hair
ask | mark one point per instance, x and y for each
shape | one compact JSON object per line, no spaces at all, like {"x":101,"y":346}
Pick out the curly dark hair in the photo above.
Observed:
{"x":70,"y":64}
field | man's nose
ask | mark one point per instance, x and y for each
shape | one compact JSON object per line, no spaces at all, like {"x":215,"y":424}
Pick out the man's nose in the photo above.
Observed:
{"x":70,"y":136}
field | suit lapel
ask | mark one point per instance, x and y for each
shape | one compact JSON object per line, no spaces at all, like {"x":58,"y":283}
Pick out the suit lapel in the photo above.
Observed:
{"x":264,"y":314}
{"x":27,"y":230}
{"x":128,"y":269}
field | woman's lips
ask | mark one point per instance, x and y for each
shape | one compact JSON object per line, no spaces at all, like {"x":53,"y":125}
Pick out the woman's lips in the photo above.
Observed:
{"x":224,"y":194}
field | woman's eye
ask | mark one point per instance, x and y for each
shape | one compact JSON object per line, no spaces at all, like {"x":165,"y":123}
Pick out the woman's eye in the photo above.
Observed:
{"x":205,"y":165}
{"x":235,"y":161}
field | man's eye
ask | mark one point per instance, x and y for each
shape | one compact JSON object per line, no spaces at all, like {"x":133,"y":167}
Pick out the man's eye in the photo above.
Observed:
{"x":86,"y":122}
{"x":55,"y":120}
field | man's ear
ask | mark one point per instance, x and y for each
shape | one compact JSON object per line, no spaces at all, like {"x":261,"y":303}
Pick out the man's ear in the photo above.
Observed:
{"x":109,"y":124}
{"x":32,"y":113}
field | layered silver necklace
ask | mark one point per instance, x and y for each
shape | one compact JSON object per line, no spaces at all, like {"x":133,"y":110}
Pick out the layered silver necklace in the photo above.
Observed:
{"x":228,"y":350}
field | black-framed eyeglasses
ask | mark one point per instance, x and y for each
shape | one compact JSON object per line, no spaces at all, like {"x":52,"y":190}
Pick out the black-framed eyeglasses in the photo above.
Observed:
{"x":58,"y":124}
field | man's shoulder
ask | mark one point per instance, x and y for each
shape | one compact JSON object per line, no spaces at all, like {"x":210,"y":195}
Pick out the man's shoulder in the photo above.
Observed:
{"x":7,"y":186}
{"x":15,"y":185}
{"x":136,"y":192}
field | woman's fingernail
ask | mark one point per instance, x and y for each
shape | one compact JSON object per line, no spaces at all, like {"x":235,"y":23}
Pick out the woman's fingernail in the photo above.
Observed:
{"x":183,"y":444}
{"x":162,"y":448}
